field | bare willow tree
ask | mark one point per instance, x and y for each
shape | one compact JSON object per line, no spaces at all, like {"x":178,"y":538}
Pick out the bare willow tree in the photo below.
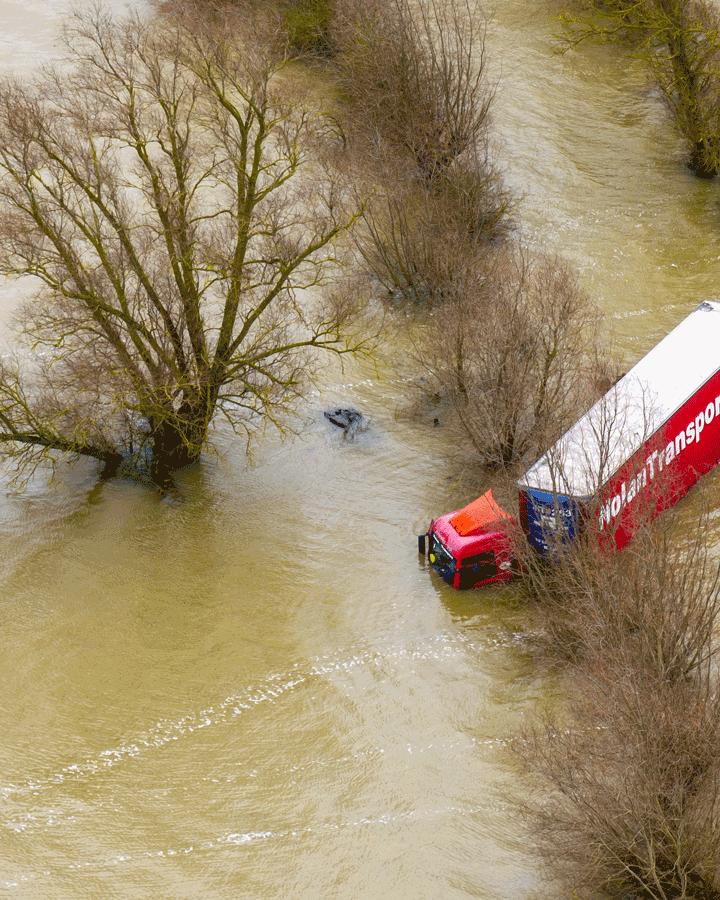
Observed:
{"x":414,"y":82}
{"x":513,"y":351}
{"x":680,"y":41}
{"x":626,"y":793}
{"x":162,"y":191}
{"x":419,"y":241}
{"x":416,"y":74}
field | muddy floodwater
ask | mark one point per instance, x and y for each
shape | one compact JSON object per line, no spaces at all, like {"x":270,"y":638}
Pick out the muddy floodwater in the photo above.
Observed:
{"x":257,"y":691}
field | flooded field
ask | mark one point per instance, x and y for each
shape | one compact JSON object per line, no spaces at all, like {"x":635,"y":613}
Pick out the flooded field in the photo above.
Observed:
{"x":257,"y":691}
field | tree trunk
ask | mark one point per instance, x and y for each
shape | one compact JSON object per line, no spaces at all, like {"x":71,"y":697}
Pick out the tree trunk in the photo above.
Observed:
{"x":687,"y":88}
{"x":698,"y":164}
{"x":178,"y":440}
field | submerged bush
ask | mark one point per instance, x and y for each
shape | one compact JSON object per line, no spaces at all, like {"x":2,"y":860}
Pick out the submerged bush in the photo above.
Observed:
{"x":307,"y":23}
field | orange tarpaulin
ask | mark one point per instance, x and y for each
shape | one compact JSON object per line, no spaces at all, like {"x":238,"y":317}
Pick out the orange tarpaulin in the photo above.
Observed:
{"x":478,"y":515}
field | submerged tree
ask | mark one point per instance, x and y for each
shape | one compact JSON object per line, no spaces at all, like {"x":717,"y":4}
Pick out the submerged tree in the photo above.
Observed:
{"x":162,"y":193}
{"x":513,"y":351}
{"x":416,"y":75}
{"x":414,"y":81}
{"x":680,"y":41}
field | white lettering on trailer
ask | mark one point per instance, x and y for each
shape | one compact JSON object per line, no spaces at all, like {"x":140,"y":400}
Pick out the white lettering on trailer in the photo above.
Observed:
{"x":654,"y":463}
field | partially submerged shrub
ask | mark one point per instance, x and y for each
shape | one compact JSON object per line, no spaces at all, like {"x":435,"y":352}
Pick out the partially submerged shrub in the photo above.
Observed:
{"x":417,"y":241}
{"x":680,"y":42}
{"x":307,"y":24}
{"x":513,"y":349}
{"x":416,"y":75}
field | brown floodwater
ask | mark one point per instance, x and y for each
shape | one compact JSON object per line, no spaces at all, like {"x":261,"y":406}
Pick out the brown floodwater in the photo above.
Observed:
{"x":257,"y":691}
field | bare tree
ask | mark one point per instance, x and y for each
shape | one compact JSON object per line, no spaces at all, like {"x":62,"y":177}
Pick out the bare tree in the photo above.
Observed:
{"x":307,"y":24}
{"x":514,"y":351}
{"x":414,"y":82}
{"x":419,"y":241}
{"x":416,"y":75}
{"x":626,"y":797}
{"x":162,"y":193}
{"x":680,"y":41}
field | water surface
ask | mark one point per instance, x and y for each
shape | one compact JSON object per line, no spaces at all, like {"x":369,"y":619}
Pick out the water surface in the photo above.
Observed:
{"x":257,"y":691}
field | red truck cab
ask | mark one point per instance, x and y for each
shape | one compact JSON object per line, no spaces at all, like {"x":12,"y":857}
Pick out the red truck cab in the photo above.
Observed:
{"x":470,"y":547}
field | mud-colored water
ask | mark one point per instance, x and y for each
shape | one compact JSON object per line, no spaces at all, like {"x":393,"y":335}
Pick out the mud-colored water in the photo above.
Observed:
{"x":257,"y":691}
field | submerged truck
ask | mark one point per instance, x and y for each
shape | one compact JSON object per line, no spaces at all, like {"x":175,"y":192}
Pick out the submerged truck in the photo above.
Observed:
{"x":637,"y":451}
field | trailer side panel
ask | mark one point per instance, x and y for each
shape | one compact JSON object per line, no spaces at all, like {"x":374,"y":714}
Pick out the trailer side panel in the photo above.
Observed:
{"x":547,"y":518}
{"x":664,"y":468}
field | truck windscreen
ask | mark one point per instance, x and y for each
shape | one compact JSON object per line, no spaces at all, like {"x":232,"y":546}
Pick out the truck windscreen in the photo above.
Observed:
{"x":440,"y":556}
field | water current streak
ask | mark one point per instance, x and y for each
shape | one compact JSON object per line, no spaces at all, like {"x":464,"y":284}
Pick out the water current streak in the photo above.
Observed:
{"x":234,"y":840}
{"x":273,"y":688}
